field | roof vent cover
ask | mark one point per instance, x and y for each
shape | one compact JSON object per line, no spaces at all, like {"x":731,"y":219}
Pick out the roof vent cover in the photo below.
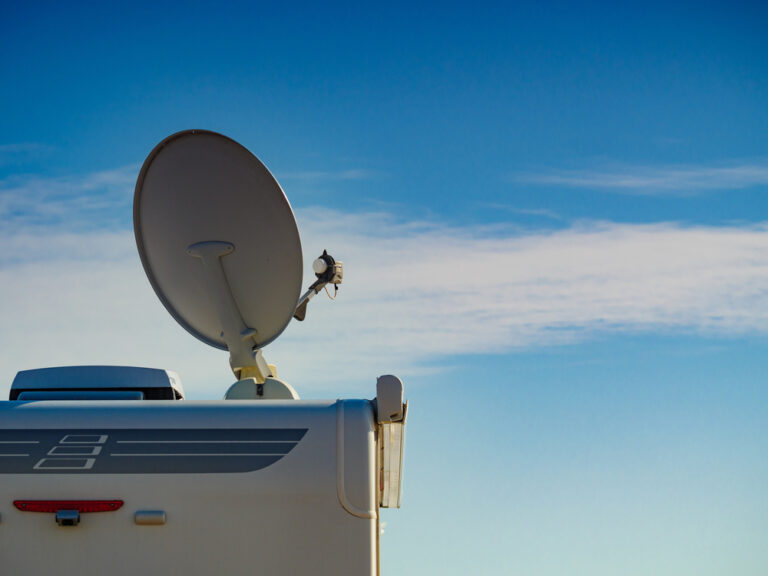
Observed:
{"x":96,"y":383}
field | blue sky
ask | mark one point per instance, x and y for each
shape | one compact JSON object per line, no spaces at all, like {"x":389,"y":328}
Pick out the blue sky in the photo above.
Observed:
{"x":554,"y":225}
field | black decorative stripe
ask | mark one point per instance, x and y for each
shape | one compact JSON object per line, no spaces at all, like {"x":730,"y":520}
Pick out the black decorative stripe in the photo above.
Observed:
{"x":144,"y":451}
{"x":192,"y":448}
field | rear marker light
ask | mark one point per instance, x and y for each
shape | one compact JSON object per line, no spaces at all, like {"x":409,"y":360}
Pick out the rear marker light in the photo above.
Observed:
{"x":67,"y":511}
{"x":82,"y":506}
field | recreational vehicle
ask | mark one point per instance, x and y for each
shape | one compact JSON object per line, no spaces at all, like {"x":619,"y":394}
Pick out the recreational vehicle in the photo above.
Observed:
{"x":109,"y":470}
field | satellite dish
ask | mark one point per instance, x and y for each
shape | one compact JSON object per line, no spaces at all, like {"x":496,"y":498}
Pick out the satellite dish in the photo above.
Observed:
{"x":219,"y":243}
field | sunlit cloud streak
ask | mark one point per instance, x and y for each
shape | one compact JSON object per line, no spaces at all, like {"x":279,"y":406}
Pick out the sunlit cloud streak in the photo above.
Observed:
{"x":416,"y":296}
{"x":95,"y":200}
{"x":328,"y":175}
{"x":673,"y":179}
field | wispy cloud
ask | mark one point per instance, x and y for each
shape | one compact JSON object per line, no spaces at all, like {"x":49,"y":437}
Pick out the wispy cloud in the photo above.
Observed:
{"x":671,"y":179}
{"x":330,"y":175}
{"x":99,"y":200}
{"x":416,"y":295}
{"x":538,"y":212}
{"x":95,"y":200}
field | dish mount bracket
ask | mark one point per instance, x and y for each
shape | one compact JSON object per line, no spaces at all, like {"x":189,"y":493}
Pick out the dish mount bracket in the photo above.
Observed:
{"x":245,"y":358}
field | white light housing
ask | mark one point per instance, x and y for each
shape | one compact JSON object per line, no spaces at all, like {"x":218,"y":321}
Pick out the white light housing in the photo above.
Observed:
{"x":390,"y":416}
{"x":391,"y":441}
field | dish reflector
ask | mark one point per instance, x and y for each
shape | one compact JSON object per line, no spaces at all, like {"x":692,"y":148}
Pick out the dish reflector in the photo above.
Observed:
{"x":218,"y":240}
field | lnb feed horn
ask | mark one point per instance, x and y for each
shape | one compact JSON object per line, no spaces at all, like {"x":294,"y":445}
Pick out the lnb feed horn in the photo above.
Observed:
{"x":328,"y":271}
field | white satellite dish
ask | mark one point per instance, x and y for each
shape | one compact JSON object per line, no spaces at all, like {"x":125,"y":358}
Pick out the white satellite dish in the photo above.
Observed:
{"x":219,"y":243}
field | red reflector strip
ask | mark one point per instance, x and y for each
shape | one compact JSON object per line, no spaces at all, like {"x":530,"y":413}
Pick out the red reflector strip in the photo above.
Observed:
{"x":81,"y":506}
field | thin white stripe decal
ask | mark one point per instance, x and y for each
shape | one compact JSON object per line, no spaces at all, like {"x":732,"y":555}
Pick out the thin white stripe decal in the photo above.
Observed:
{"x":19,"y":442}
{"x":250,"y":454}
{"x":206,"y":442}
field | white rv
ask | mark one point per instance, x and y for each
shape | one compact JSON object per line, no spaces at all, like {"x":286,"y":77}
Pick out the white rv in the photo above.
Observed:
{"x":109,"y":470}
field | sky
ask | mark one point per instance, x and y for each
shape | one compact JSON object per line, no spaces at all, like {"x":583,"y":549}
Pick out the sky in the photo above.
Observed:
{"x":554,"y":225}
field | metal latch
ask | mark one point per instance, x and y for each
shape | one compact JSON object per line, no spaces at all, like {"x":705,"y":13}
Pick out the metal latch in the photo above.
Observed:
{"x":68,"y":517}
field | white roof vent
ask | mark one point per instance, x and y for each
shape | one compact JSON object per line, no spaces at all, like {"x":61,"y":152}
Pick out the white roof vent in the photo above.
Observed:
{"x":97,"y":383}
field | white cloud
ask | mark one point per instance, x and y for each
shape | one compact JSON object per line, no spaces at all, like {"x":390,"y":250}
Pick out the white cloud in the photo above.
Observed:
{"x":675,"y":179}
{"x":538,"y":212}
{"x":326,"y":175}
{"x":69,"y":202}
{"x":416,"y":295}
